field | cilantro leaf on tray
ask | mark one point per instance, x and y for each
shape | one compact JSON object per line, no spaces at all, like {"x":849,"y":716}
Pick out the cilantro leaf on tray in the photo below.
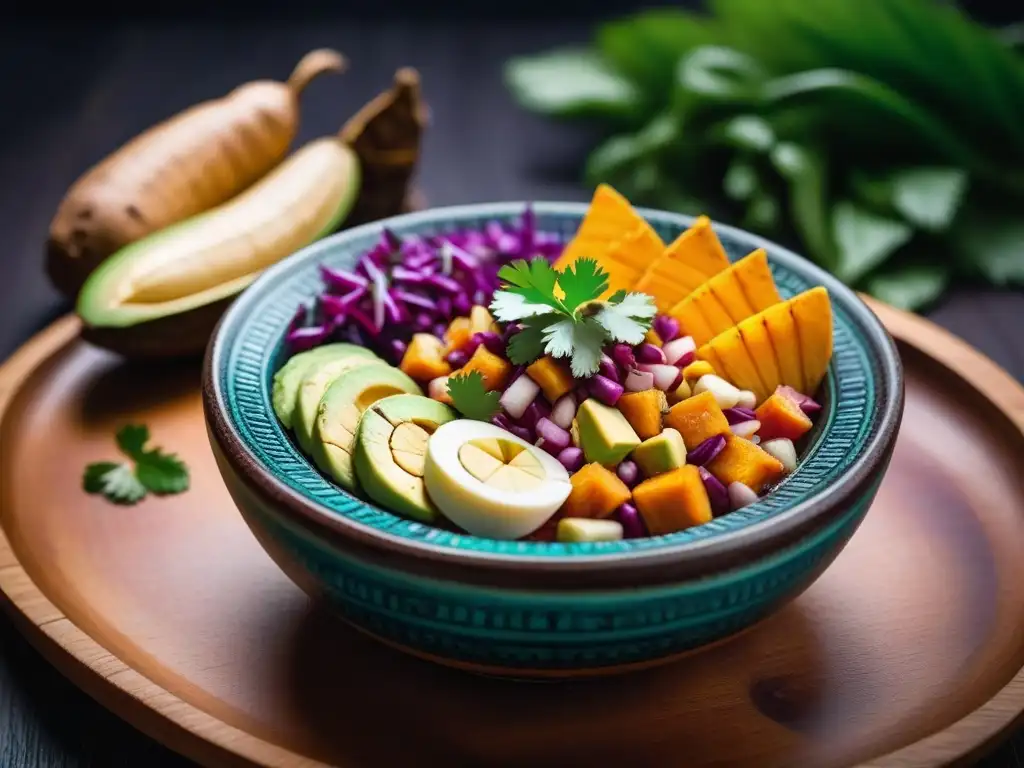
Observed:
{"x":153,"y":472}
{"x":471,"y":398}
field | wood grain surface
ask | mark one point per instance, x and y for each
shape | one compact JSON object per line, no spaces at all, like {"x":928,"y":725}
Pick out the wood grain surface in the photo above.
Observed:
{"x":83,"y":89}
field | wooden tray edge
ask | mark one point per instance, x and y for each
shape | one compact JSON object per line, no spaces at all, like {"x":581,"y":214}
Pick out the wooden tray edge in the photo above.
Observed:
{"x":202,"y":737}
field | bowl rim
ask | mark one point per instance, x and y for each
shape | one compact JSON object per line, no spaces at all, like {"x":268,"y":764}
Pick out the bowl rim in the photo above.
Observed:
{"x":683,"y":560}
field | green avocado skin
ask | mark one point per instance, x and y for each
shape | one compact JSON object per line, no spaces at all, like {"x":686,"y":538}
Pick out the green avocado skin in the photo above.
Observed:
{"x":290,"y":375}
{"x":383,"y":480}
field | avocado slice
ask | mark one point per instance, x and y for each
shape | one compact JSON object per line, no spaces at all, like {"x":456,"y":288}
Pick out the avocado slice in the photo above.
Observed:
{"x":162,"y":295}
{"x":314,"y":384}
{"x":290,"y":375}
{"x":661,"y":453}
{"x":391,"y":450}
{"x":339,"y":412}
{"x":605,"y":435}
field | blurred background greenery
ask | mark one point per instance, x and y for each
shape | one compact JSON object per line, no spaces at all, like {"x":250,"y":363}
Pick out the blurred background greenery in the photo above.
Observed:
{"x":884,"y":139}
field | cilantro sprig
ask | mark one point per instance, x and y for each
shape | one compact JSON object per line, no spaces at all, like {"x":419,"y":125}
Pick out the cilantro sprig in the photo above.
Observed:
{"x":470,"y":396}
{"x":150,"y":470}
{"x":562,"y":313}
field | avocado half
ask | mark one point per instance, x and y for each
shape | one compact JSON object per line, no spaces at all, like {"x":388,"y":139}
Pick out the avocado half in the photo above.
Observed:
{"x":391,"y":450}
{"x":163,"y":295}
{"x":340,"y":411}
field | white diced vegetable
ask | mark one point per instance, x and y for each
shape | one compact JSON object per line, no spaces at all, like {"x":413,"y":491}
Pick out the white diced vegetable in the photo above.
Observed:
{"x":572,"y":529}
{"x":747,"y":399}
{"x":782,"y":449}
{"x":741,"y":495}
{"x":746,"y":429}
{"x":725,"y":394}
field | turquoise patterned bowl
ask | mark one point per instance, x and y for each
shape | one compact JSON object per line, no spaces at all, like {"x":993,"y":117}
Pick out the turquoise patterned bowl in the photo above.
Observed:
{"x":538,"y":609}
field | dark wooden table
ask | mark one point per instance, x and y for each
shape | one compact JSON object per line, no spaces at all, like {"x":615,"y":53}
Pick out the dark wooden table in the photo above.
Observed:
{"x":71,"y":94}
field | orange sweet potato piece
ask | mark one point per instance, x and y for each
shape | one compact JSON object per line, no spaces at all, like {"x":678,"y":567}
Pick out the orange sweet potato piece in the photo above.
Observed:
{"x":782,"y":417}
{"x":458,"y":334}
{"x":743,"y":462}
{"x":596,"y":492}
{"x":696,"y":369}
{"x":494,"y":369}
{"x":697,"y":418}
{"x":609,"y":219}
{"x":553,"y":377}
{"x":643,"y":411}
{"x":686,"y":264}
{"x":673,"y":501}
{"x":480,"y":320}
{"x":424,"y":358}
{"x":652,"y":337}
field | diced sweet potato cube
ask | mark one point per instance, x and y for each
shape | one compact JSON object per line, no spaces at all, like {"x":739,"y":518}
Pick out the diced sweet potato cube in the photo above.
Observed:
{"x":552,"y":376}
{"x":480,"y":320}
{"x":494,"y":369}
{"x":458,"y":334}
{"x":743,"y":462}
{"x":696,"y":369}
{"x":673,"y":501}
{"x":596,"y":492}
{"x":697,"y":418}
{"x":643,"y":411}
{"x":730,"y":355}
{"x":424,"y":358}
{"x":780,"y":416}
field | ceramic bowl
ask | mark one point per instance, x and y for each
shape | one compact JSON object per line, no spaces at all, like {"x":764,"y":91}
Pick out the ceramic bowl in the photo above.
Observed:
{"x":538,"y":609}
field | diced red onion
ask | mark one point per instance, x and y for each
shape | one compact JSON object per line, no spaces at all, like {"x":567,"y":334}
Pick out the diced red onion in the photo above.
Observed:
{"x":718,"y":494}
{"x":608,"y":369}
{"x":677,"y":350}
{"x":564,"y":411}
{"x":341,"y":279}
{"x":491,"y":340}
{"x":740,"y":495}
{"x":737,"y":414}
{"x":706,"y":451}
{"x":604,"y":389}
{"x":664,"y":375}
{"x":553,"y":435}
{"x":639,"y":381}
{"x":666,"y":326}
{"x":628,"y":472}
{"x":631,"y":521}
{"x":457,"y":358}
{"x":807,"y":404}
{"x":648,"y":353}
{"x":438,"y":388}
{"x":571,"y":458}
{"x":623,"y":356}
{"x":519,"y":396}
{"x":501,"y":421}
{"x":534,"y":412}
{"x":510,"y":330}
{"x":746,"y":429}
{"x":521,"y":432}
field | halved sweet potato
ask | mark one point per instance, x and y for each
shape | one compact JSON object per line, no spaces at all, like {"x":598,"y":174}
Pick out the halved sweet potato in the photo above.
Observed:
{"x":780,"y":416}
{"x":812,"y":315}
{"x":697,"y":418}
{"x":596,"y":492}
{"x":673,"y":501}
{"x":743,"y":462}
{"x":762,"y":351}
{"x":626,"y":259}
{"x":786,"y":343}
{"x":609,"y":218}
{"x":733,"y":362}
{"x":756,"y":281}
{"x":687,"y":263}
{"x":643,"y":411}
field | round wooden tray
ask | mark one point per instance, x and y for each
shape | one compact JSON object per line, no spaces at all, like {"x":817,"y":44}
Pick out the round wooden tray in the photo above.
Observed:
{"x":907,"y":652}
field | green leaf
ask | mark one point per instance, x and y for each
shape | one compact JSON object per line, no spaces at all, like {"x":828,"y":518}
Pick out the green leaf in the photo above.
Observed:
{"x":989,"y":240}
{"x":636,"y":305}
{"x":508,"y":307}
{"x":803,"y":168}
{"x":620,"y":326}
{"x":751,"y":133}
{"x":92,"y":478}
{"x":588,"y":338}
{"x":132,"y":439}
{"x":616,"y":297}
{"x":559,"y":338}
{"x":864,"y":240}
{"x":740,"y":180}
{"x":572,"y":83}
{"x":928,"y":197}
{"x":762,"y":213}
{"x":617,"y":154}
{"x":527,"y":345}
{"x":646,"y":46}
{"x":719,"y":74}
{"x":162,"y":473}
{"x":534,"y":282}
{"x":584,"y":280}
{"x":909,"y":287}
{"x":471,"y":398}
{"x":118,"y":483}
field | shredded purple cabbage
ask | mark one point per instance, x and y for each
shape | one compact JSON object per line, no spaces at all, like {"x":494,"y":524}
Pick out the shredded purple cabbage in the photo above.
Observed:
{"x":402,"y":286}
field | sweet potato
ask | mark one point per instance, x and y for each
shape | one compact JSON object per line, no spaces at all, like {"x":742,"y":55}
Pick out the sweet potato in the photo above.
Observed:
{"x":643,"y":411}
{"x":780,"y":416}
{"x":743,"y":462}
{"x":553,"y":376}
{"x":187,"y":164}
{"x":494,"y":369}
{"x":386,"y":135}
{"x":697,"y":418}
{"x":596,"y":492}
{"x":424,"y":358}
{"x":673,"y":501}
